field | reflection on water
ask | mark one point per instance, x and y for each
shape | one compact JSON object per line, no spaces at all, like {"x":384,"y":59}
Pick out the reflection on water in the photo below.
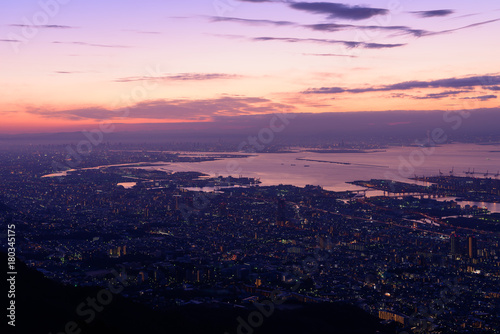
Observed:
{"x":65,"y":173}
{"x":127,"y":185}
{"x":492,"y":207}
{"x":394,"y":163}
{"x":333,"y":170}
{"x":59,"y":174}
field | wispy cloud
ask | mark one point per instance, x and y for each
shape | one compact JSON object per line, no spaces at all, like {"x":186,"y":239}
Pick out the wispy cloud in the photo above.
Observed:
{"x":183,"y":77}
{"x":334,"y":27}
{"x":342,"y":11}
{"x":73,"y":72}
{"x":462,"y":28}
{"x":93,"y":45}
{"x":349,"y":44}
{"x":328,"y":55}
{"x":325,"y":27}
{"x":441,"y":95}
{"x":43,"y":26}
{"x":480,"y":98}
{"x":144,"y":32}
{"x":462,"y":16}
{"x":434,"y":13}
{"x":337,"y":27}
{"x":474,"y":81}
{"x":193,"y":110}
{"x":251,"y":21}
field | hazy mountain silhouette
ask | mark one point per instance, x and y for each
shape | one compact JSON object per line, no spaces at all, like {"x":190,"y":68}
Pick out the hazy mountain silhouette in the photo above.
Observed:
{"x":294,"y":128}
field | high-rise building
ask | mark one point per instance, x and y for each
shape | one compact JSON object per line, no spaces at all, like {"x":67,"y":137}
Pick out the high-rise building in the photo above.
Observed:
{"x":472,"y":247}
{"x":454,"y":243}
{"x":281,"y":214}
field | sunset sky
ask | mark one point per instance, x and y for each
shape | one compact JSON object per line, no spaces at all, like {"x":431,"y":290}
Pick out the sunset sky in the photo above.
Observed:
{"x":68,"y":65}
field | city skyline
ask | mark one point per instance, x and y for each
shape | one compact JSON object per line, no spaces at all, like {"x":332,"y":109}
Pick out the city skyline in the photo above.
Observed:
{"x":68,"y":65}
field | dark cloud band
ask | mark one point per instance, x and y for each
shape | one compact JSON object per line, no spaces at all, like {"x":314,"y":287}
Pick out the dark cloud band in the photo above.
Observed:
{"x":475,"y":81}
{"x":338,"y":10}
{"x":434,"y":13}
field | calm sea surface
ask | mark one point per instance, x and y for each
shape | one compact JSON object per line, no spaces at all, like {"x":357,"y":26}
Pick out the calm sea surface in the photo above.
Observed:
{"x":397,"y":163}
{"x":335,"y":169}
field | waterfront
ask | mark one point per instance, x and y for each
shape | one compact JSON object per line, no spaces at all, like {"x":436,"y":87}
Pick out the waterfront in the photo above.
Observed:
{"x":492,"y":207}
{"x":394,"y":163}
{"x":332,"y":170}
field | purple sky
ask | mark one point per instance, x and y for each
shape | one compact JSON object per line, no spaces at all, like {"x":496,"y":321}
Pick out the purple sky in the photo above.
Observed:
{"x":67,"y":65}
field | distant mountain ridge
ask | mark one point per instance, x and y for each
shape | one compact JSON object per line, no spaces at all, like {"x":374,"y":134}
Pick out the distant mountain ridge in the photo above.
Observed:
{"x":293,"y":128}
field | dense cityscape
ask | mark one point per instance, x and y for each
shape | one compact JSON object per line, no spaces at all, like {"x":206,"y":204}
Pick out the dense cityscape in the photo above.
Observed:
{"x":416,"y":263}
